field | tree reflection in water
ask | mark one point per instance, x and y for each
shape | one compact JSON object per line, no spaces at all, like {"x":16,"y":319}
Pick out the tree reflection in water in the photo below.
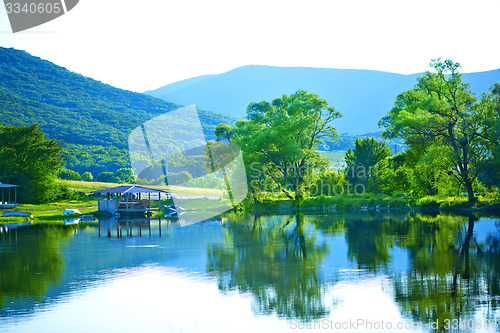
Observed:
{"x":276,"y":259}
{"x":30,"y":260}
{"x":453,"y":273}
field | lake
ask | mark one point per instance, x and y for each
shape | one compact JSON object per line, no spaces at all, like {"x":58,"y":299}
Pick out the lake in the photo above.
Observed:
{"x":360,"y":272}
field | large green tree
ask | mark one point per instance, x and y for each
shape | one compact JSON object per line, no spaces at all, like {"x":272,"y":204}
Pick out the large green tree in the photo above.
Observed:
{"x":280,"y":139}
{"x":363,"y":162}
{"x":490,"y":168}
{"x":31,"y":160}
{"x":441,"y":111}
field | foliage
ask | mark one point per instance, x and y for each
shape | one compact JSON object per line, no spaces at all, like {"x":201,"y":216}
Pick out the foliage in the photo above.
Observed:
{"x":364,"y":162}
{"x":223,"y":132}
{"x":104,"y":177}
{"x":123,"y":175}
{"x":68,"y":174}
{"x":489,"y":173}
{"x":327,"y":183}
{"x":440,"y":113}
{"x":280,"y":139}
{"x":87,"y":177}
{"x":31,"y":160}
{"x":179,"y":177}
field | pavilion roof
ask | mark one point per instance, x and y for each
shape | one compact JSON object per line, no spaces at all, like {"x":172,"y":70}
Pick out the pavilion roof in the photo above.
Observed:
{"x":7,"y":185}
{"x":123,"y":189}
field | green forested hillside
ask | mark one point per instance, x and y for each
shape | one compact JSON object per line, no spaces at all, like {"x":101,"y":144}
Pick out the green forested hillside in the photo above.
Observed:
{"x":90,"y":119}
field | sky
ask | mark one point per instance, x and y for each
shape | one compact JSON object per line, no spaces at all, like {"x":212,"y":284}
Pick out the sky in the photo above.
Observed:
{"x":143,"y":45}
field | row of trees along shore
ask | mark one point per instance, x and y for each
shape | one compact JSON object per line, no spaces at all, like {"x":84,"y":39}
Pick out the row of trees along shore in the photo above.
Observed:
{"x":451,"y":137}
{"x":452,"y":146}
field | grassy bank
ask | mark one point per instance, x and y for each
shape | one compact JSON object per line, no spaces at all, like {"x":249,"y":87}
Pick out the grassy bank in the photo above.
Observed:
{"x":377,"y":202}
{"x":270,"y":203}
{"x":53,"y":210}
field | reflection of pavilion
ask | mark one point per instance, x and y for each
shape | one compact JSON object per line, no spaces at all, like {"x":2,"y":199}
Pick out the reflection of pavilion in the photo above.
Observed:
{"x":130,"y":199}
{"x":114,"y":227}
{"x":7,"y":195}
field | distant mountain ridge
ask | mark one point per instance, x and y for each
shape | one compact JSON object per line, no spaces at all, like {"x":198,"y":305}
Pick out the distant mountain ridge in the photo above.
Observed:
{"x":363,"y":96}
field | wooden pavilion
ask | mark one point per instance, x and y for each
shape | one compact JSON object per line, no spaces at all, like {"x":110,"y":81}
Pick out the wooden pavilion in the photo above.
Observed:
{"x":7,"y":202}
{"x":130,"y":199}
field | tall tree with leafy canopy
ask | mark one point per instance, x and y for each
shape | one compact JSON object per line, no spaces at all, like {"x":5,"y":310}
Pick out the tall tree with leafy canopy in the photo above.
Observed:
{"x":279,"y":139}
{"x":363,"y":162}
{"x":441,"y":110}
{"x":490,"y":168}
{"x":29,"y":159}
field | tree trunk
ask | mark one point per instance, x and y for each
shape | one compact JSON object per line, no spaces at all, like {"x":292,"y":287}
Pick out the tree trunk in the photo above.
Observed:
{"x":298,"y":195}
{"x":470,"y":192}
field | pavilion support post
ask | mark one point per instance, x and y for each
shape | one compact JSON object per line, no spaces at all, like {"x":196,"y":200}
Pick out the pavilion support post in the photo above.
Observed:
{"x":2,"y":197}
{"x":15,"y":194}
{"x":99,"y":207}
{"x":159,"y":201}
{"x":149,"y":200}
{"x":127,"y":200}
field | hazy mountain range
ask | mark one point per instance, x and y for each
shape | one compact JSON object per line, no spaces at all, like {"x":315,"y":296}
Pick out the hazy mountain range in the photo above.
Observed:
{"x":363,"y":96}
{"x":92,"y":120}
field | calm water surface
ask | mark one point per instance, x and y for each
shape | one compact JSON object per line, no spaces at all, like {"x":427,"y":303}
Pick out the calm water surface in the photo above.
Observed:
{"x":354,"y":272}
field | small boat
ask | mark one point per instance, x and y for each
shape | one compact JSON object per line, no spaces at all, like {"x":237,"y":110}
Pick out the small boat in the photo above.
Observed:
{"x":71,"y":212}
{"x":174,"y":210}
